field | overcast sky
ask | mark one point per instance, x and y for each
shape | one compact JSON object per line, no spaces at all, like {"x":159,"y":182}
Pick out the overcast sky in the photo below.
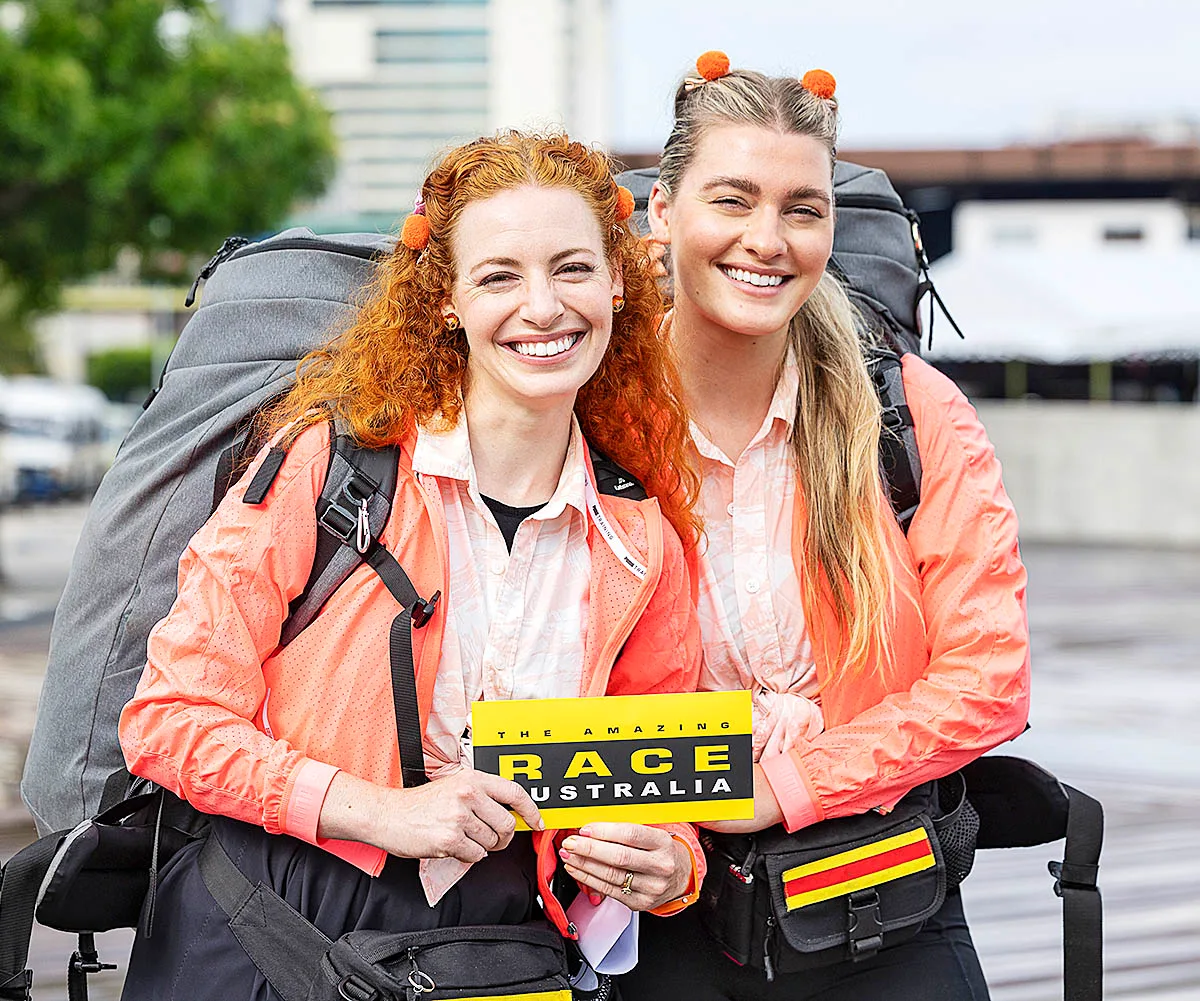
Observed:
{"x":931,"y":73}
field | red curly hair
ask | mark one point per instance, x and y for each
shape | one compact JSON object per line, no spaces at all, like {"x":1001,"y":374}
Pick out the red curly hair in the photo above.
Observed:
{"x":398,"y":366}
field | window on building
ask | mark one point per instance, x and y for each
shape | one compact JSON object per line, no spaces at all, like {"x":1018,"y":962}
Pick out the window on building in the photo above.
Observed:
{"x":1014,"y":235}
{"x":1123,"y":234}
{"x":448,"y":45}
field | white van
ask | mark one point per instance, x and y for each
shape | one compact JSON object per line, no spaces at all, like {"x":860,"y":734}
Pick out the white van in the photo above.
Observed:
{"x":52,"y":437}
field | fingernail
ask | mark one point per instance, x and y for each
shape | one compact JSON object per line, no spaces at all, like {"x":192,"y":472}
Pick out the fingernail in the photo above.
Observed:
{"x":595,"y":898}
{"x":571,"y":844}
{"x":564,"y":855}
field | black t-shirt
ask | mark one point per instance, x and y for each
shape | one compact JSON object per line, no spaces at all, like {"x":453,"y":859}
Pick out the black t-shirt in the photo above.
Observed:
{"x":509,"y":518}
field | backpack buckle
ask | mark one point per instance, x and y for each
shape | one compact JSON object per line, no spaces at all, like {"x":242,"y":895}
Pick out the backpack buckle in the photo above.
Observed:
{"x":865,"y":924}
{"x":422,"y":610}
{"x":354,"y":988}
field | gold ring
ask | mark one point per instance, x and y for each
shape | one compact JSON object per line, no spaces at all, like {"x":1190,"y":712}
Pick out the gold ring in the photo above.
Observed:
{"x":627,"y":886}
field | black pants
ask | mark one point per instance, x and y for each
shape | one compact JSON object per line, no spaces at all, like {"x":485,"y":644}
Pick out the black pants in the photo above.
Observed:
{"x":191,"y":955}
{"x":677,"y":959}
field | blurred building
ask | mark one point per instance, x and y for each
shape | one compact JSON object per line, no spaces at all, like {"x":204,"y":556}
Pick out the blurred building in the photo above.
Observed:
{"x":406,"y":78}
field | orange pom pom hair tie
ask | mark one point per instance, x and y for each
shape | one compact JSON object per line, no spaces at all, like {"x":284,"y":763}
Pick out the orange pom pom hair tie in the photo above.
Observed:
{"x":624,"y":203}
{"x":819,"y":83}
{"x":415,"y":232}
{"x":712,"y":65}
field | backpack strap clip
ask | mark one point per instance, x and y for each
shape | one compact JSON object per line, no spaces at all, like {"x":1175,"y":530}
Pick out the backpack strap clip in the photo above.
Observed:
{"x":346,"y":515}
{"x":1073,"y":876}
{"x":422,"y":610}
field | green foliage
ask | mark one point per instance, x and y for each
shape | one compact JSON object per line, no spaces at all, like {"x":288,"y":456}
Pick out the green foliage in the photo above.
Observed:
{"x":114,"y":135}
{"x":122,"y":374}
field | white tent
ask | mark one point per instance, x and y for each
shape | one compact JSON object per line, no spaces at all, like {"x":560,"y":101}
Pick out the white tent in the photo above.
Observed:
{"x":1063,"y":307}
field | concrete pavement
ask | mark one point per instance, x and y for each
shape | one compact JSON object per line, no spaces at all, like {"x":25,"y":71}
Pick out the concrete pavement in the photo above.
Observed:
{"x":1117,"y":693}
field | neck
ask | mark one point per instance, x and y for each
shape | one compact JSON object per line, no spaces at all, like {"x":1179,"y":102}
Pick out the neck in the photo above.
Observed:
{"x":518,"y":453}
{"x":728,"y":377}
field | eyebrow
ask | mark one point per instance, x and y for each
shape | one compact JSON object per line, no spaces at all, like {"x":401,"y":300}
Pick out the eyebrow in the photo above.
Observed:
{"x":750,"y":188}
{"x":511,"y":262}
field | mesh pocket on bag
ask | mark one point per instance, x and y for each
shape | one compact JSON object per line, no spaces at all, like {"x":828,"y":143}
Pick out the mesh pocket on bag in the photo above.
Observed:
{"x":957,"y":830}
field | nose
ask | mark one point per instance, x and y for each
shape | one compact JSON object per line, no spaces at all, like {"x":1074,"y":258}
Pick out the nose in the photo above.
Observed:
{"x":763,"y":235}
{"x":542,"y":306}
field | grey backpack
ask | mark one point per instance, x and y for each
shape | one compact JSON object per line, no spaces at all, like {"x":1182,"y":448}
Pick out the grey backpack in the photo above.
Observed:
{"x":265,"y":306}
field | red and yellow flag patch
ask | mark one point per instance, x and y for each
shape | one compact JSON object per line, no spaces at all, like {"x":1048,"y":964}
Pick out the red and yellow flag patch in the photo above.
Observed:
{"x":870,"y":865}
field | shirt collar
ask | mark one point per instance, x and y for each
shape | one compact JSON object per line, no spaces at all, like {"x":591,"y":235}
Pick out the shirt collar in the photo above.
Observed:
{"x":446,"y":453}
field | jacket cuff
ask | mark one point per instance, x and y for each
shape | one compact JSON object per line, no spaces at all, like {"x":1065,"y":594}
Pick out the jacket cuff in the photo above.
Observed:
{"x":792,"y":790}
{"x":686,"y":834}
{"x":302,"y":814}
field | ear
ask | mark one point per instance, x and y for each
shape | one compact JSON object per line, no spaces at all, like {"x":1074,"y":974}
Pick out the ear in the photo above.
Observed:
{"x":658,"y":213}
{"x":618,"y":280}
{"x":447,"y":307}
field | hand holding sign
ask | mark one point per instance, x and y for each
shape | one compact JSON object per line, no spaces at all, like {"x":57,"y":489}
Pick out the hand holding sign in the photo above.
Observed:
{"x":462,"y":816}
{"x":602,"y":857}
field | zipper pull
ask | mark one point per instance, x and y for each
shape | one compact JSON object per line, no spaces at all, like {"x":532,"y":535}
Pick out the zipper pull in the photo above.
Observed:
{"x":231,"y":245}
{"x":362,"y":540}
{"x":420,"y":981}
{"x":768,"y":948}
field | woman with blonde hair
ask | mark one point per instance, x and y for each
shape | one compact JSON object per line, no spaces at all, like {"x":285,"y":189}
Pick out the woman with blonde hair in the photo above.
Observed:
{"x":878,"y":661}
{"x":513,"y":329}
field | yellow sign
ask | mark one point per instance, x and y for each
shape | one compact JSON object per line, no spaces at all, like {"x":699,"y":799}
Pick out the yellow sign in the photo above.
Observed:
{"x":646,"y":759}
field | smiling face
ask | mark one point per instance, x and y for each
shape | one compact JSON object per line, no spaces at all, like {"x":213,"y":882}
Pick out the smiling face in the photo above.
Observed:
{"x":534,"y":291}
{"x":750,"y":228}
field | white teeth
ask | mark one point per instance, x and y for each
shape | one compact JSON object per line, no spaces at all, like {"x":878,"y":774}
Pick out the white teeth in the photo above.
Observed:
{"x":751,"y":278}
{"x":545,"y":349}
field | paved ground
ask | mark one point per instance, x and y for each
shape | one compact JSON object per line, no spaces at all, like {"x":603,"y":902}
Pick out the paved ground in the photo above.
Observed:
{"x":1116,"y":634}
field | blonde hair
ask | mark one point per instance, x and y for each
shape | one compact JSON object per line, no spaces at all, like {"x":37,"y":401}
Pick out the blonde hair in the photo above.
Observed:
{"x":835,"y":437}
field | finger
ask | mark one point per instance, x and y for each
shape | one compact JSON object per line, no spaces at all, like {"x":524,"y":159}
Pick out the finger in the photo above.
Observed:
{"x":636,"y":899}
{"x":498,"y":820}
{"x":481,"y":833}
{"x":633,"y":835}
{"x":512,"y":795}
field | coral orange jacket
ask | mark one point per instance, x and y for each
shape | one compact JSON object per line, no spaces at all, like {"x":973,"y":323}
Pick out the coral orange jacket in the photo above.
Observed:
{"x":956,"y":681}
{"x":196,"y":726}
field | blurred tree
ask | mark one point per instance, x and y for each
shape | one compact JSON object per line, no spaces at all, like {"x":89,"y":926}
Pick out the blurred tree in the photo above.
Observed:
{"x":141,"y":123}
{"x":124,"y":375}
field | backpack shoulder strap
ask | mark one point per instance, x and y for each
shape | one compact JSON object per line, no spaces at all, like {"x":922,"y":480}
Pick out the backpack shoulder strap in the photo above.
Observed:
{"x":899,"y":459}
{"x":19,"y":887}
{"x":352,"y":511}
{"x":1075,"y":882}
{"x":614,"y":481}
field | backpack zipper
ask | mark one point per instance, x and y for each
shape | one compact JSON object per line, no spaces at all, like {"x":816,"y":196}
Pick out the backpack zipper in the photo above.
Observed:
{"x":306,"y":243}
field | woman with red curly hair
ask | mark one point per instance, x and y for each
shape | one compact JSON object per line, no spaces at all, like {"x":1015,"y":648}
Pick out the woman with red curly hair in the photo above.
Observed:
{"x":512,"y":331}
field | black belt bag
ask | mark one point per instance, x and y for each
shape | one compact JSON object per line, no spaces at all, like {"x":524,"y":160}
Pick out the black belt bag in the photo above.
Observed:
{"x":526,"y":961}
{"x":838,"y":890}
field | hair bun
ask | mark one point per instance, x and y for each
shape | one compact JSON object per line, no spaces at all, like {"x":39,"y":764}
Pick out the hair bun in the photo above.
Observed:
{"x":415,"y":232}
{"x":820,"y":83}
{"x":712,"y":65}
{"x":625,"y":203}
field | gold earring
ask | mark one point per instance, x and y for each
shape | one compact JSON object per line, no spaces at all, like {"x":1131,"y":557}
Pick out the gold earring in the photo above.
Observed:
{"x":618,"y":304}
{"x":452,"y":321}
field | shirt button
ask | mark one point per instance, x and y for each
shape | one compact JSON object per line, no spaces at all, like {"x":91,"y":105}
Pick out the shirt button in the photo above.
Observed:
{"x":496,"y":567}
{"x":752,"y":586}
{"x":729,"y":509}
